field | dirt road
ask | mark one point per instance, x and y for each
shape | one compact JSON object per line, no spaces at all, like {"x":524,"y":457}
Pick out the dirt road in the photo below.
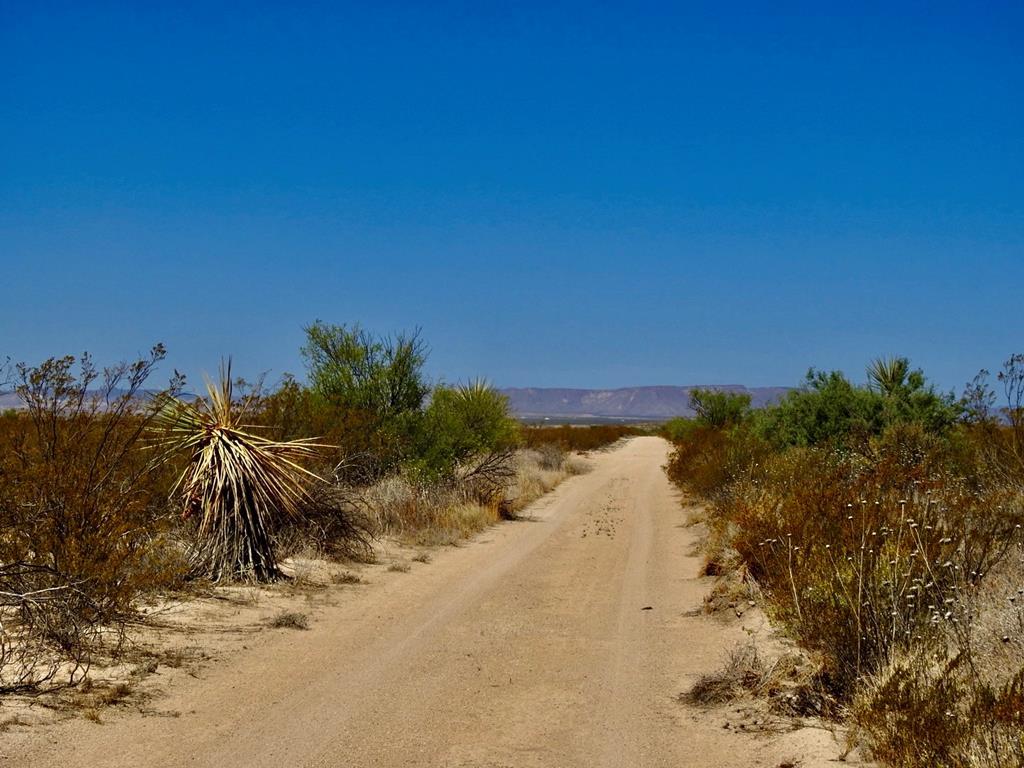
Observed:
{"x":559,"y":641}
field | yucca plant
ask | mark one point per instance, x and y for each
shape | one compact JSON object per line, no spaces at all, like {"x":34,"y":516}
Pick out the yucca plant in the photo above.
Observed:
{"x":239,"y":485}
{"x":888,"y":374}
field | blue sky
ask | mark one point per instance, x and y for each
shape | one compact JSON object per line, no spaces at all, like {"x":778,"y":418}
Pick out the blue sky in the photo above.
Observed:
{"x":591,"y":194}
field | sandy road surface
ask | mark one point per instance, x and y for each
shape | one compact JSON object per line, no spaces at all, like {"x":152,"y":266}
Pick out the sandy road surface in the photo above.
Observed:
{"x":560,"y":641}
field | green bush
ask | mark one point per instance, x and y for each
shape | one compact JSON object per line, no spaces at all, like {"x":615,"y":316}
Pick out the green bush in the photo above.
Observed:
{"x":828,"y":408}
{"x":678,"y":429}
{"x":460,"y":424}
{"x":719,"y":408}
{"x":367,"y":391}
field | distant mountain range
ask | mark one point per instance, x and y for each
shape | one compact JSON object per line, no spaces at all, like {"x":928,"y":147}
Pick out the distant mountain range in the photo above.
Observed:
{"x":11,"y":401}
{"x":627,"y":404}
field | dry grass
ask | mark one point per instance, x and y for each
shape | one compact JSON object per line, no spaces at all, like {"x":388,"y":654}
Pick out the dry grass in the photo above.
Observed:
{"x":959,"y":699}
{"x":434,"y":514}
{"x":742,"y":673}
{"x":422,"y":513}
{"x":536,"y":475}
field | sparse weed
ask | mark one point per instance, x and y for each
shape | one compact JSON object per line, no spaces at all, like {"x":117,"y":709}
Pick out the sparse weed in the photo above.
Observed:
{"x":346,"y":577}
{"x":742,"y":672}
{"x":289,"y":620}
{"x":441,"y":513}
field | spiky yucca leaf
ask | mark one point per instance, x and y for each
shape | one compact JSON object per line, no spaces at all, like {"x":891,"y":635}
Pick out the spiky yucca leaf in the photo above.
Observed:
{"x":888,"y":374}
{"x":239,"y":484}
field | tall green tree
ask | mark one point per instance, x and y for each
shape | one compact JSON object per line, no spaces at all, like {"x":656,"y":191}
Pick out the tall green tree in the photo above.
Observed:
{"x":382,"y":375}
{"x":371,"y":390}
{"x":719,"y":408}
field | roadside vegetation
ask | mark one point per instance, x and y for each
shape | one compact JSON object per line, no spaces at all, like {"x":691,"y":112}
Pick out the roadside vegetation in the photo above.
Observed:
{"x":112,"y":491}
{"x":879,"y":525}
{"x":591,"y":437}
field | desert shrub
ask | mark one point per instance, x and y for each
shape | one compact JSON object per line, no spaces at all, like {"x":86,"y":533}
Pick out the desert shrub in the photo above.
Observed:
{"x":876,"y":522}
{"x":998,"y":432}
{"x":461,"y":428}
{"x":366,"y":394}
{"x":715,"y":446}
{"x":928,"y":708}
{"x":486,"y":478}
{"x":677,"y":429}
{"x":335,"y":522}
{"x":828,"y":408}
{"x":856,"y":559}
{"x":84,"y":523}
{"x":581,"y":438}
{"x":50,"y":627}
{"x":706,"y":459}
{"x":551,"y":456}
{"x":355,"y":450}
{"x":719,"y":408}
{"x":957,"y":700}
{"x":743,"y":672}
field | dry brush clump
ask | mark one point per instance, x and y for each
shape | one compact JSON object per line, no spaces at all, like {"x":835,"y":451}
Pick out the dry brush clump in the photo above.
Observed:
{"x":289,"y":620}
{"x":855,"y":568}
{"x":486,"y":491}
{"x":538,"y":472}
{"x":84,"y":521}
{"x":743,"y":672}
{"x":886,"y":542}
{"x":336,"y":523}
{"x":958,"y":698}
{"x":578,"y":438}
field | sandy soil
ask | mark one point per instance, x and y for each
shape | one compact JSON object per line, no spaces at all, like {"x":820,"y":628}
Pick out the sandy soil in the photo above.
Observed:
{"x":563,"y":640}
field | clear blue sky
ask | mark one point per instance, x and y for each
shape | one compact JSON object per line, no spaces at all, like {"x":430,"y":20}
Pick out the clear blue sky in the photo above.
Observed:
{"x":570,"y":194}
